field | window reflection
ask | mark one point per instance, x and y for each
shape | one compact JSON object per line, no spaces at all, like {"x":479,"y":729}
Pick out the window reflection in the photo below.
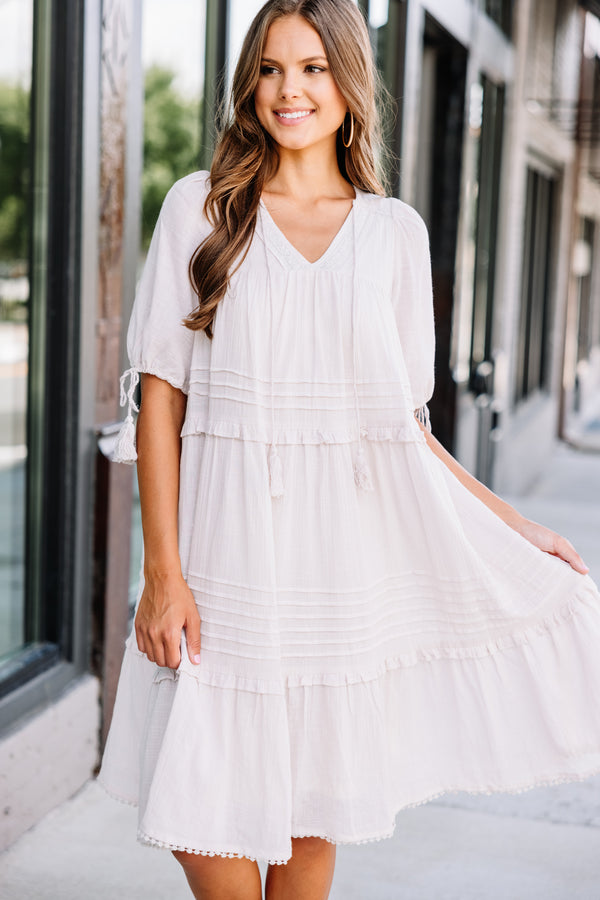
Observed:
{"x":173,"y":47}
{"x":378,"y":13}
{"x":173,"y":61}
{"x":501,"y":12}
{"x":241,"y":13}
{"x":16,"y":28}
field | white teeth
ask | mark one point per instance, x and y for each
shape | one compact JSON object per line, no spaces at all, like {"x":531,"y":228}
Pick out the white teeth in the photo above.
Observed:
{"x":294,"y":115}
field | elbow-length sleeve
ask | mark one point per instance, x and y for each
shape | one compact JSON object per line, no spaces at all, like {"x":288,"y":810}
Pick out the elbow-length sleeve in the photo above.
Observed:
{"x":413,"y":305}
{"x":158,"y":342}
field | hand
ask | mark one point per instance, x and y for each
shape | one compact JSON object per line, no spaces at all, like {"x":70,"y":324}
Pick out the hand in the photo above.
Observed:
{"x":552,"y":543}
{"x":166,"y":606}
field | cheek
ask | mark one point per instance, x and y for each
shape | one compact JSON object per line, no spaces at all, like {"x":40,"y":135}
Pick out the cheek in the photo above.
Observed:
{"x":261,"y":98}
{"x":335,"y":99}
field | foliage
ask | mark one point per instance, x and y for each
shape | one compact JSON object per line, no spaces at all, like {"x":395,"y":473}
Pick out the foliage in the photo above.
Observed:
{"x":171,"y":142}
{"x":14,"y":171}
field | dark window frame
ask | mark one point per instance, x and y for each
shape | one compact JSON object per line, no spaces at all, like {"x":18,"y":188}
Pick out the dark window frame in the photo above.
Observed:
{"x":56,"y":630}
{"x":586,"y":337}
{"x":488,"y":200}
{"x":501,"y":12}
{"x":532,"y":353}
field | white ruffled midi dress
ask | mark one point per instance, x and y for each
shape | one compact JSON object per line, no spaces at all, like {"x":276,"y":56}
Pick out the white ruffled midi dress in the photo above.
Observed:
{"x":373,"y":635}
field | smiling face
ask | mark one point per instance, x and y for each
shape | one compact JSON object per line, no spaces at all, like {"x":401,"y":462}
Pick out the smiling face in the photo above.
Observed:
{"x":296,"y":99}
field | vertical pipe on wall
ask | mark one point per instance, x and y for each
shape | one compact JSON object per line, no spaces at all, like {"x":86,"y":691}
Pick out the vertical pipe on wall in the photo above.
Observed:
{"x":113,"y":497}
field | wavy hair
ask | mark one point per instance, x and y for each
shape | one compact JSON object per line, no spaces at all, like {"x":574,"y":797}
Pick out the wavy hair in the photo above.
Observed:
{"x":246,"y":156}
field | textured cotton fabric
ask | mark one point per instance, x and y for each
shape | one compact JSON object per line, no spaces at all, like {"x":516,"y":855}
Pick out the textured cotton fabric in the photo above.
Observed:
{"x":363,"y":650}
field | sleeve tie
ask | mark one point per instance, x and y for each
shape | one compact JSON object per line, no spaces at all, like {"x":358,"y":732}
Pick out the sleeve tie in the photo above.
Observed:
{"x":125,"y":450}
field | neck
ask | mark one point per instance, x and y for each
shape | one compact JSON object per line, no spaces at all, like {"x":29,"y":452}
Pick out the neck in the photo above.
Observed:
{"x":309,"y":174}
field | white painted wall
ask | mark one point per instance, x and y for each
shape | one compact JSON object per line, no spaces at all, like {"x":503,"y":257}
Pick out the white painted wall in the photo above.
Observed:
{"x":48,"y":759}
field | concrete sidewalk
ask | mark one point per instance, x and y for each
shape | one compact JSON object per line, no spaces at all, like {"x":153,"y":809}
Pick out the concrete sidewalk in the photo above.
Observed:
{"x":543,"y":843}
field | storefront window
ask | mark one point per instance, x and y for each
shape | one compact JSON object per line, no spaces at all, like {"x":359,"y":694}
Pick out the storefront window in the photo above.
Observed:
{"x":486,"y":125}
{"x":173,"y":51}
{"x":501,"y":12}
{"x":241,"y":13}
{"x":532,"y":346}
{"x":378,"y":13}
{"x":16,"y":28}
{"x":173,"y":61}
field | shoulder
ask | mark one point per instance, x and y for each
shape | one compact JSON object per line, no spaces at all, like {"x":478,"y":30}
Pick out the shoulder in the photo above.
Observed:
{"x":184,"y":201}
{"x":398,"y":215}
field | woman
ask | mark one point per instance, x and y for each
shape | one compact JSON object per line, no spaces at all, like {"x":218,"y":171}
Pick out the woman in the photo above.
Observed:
{"x":336,"y":620}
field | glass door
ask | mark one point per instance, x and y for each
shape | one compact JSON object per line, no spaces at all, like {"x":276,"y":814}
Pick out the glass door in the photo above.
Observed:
{"x":16,"y":40}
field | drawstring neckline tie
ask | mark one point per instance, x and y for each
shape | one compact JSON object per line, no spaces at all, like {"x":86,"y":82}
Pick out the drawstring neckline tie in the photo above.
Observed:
{"x":125,"y":450}
{"x":362,"y":472}
{"x":274,"y":460}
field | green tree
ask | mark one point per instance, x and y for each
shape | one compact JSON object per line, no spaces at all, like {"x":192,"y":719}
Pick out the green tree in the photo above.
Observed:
{"x":14,"y":171}
{"x":172,"y":142}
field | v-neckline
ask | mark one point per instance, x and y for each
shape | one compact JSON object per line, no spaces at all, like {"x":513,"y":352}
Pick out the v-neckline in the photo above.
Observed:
{"x":291,"y":251}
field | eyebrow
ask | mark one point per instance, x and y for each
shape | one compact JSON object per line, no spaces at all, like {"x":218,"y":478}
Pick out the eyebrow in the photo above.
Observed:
{"x":308,"y":59}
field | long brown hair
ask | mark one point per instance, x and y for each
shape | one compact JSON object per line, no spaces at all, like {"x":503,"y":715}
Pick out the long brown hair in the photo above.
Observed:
{"x":246,"y":157}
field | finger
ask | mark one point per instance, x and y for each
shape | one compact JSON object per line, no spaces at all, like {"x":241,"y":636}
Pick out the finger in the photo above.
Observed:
{"x":154,"y":647}
{"x":140,"y":641}
{"x":158,"y":651}
{"x":192,"y":635}
{"x":172,"y":650}
{"x":567,"y":551}
{"x":576,"y":562}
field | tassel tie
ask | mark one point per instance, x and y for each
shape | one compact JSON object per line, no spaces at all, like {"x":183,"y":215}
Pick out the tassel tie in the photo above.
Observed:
{"x":422,"y":416}
{"x":125,"y":451}
{"x":273,"y":459}
{"x":362,"y":473}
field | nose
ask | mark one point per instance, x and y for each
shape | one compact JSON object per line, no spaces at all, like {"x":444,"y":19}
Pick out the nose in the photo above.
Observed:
{"x":288,"y":86}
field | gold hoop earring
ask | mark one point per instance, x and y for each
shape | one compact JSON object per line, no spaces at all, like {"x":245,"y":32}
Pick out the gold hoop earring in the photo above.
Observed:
{"x":351,"y":131}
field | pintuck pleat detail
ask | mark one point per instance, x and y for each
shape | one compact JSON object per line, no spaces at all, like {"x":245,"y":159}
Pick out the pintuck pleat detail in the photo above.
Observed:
{"x":255,"y":432}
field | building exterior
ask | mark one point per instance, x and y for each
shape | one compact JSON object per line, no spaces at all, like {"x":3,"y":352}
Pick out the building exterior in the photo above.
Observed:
{"x":103,"y":104}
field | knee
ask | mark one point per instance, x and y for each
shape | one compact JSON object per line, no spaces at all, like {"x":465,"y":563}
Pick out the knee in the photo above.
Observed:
{"x":309,"y":848}
{"x":193,"y":862}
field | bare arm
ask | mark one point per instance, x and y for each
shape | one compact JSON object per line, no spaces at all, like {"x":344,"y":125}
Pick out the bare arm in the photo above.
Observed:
{"x":538,"y":535}
{"x":167,"y":604}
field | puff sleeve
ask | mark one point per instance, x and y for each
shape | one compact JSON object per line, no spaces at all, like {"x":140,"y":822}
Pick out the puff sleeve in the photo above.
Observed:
{"x":413,"y":305}
{"x":157,"y":340}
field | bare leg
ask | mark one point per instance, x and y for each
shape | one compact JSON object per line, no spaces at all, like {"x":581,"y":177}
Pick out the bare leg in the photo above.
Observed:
{"x":307,"y":875}
{"x":221,"y":877}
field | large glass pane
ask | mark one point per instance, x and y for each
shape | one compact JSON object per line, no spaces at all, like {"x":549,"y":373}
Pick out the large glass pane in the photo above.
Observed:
{"x":173,"y":59}
{"x":501,"y":12}
{"x":532,"y":369}
{"x":16,"y":28}
{"x":241,"y":13}
{"x":490,"y":112}
{"x":173,"y":47}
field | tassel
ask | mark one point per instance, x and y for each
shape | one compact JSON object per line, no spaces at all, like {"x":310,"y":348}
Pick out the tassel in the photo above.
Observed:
{"x":422,"y":416}
{"x":275,"y":472}
{"x":362,"y":473}
{"x":125,"y":451}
